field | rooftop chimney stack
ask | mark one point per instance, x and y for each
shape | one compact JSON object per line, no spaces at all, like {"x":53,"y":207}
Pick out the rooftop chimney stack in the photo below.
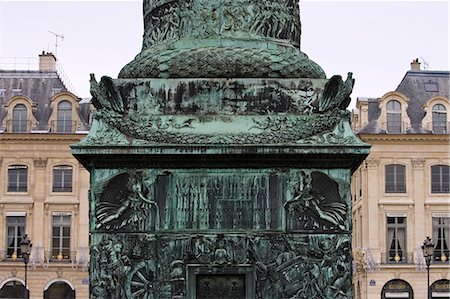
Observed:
{"x":415,"y":65}
{"x":47,"y":62}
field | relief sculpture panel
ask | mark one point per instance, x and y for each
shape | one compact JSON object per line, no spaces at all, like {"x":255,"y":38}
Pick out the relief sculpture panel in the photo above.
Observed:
{"x":284,"y":266}
{"x":183,"y":233}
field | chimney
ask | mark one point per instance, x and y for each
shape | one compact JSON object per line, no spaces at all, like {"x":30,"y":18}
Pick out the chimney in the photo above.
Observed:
{"x":415,"y":65}
{"x":47,"y":62}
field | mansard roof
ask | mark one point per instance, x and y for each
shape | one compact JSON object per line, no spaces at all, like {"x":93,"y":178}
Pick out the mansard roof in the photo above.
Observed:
{"x":418,"y":86}
{"x":40,"y":87}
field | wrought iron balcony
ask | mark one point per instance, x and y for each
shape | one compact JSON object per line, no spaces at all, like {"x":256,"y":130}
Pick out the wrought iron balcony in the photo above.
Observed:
{"x":397,"y":258}
{"x":63,"y":126}
{"x":399,"y":127}
{"x":439,"y":127}
{"x":18,"y":126}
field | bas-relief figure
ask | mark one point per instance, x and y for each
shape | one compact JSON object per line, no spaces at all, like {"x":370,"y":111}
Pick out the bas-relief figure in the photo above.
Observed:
{"x":220,"y":160}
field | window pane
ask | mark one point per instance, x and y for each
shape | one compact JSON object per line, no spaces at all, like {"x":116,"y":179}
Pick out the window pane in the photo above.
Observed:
{"x":395,"y":178}
{"x":62,"y":179}
{"x":19,"y":119}
{"x":66,"y":231}
{"x":396,"y":239}
{"x":64,"y":117}
{"x":15,"y":230}
{"x":440,"y":179}
{"x":17,"y":178}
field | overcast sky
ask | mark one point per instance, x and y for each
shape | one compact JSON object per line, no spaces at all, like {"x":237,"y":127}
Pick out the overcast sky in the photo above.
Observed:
{"x":376,"y":40}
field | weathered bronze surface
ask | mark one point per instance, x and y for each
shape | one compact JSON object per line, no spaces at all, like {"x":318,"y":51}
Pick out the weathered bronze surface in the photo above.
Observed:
{"x":220,"y":161}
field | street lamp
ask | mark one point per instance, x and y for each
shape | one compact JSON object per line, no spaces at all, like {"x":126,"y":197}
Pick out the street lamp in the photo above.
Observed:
{"x":25,"y":248}
{"x":428,"y":253}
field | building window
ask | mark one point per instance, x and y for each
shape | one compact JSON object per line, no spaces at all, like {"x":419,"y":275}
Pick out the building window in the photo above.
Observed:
{"x":431,"y":86}
{"x":396,"y":239}
{"x":60,"y":290}
{"x":15,"y":230}
{"x":16,"y":92}
{"x":441,"y":237}
{"x":19,"y":119}
{"x":62,"y":178}
{"x":61,"y":237}
{"x":395,"y":178}
{"x":17,"y":178}
{"x":2,"y":92}
{"x":64,"y":117}
{"x":440,"y":179}
{"x":394,"y":117}
{"x":439,"y":119}
{"x":55,"y":91}
{"x":13,"y":289}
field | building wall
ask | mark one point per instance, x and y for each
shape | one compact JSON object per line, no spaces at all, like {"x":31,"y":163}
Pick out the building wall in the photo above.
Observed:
{"x":418,"y":204}
{"x":40,"y":152}
{"x":417,"y":148}
{"x":40,"y":139}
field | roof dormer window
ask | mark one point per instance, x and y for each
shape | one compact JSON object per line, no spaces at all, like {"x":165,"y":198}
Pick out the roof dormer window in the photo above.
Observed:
{"x":439,"y":119}
{"x":431,"y":86}
{"x":55,"y":91}
{"x":19,"y":119}
{"x":16,"y":92}
{"x":394,"y":117}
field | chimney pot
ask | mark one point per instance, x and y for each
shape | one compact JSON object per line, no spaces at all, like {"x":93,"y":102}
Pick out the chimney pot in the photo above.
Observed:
{"x":47,"y":62}
{"x":415,"y":65}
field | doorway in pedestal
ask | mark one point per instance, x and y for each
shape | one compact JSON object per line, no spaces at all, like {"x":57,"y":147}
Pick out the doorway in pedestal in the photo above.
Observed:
{"x":220,"y":286}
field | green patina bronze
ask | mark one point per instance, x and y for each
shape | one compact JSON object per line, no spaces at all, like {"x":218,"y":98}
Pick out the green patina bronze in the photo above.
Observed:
{"x":221,"y":160}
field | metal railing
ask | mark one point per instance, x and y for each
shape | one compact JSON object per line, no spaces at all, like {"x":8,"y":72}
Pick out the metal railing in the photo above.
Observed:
{"x":63,"y":126}
{"x":439,"y":127}
{"x":18,"y":126}
{"x":401,"y":258}
{"x":32,"y":64}
{"x":395,"y":127}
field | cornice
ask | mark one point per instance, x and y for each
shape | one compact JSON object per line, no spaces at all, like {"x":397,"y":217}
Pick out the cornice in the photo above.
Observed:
{"x":41,"y":137}
{"x":428,"y":138}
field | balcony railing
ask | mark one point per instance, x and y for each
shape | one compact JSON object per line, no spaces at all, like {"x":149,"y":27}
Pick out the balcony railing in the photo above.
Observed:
{"x":395,"y":127}
{"x":401,"y":258}
{"x":18,"y":126}
{"x":63,"y":126}
{"x":439,"y":127}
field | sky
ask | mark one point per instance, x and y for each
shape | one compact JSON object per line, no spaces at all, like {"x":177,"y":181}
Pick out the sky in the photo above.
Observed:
{"x":376,"y":40}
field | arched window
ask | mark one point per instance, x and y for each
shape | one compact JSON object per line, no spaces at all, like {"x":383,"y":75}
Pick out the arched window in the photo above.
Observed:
{"x":62,"y":178}
{"x":440,"y":289}
{"x":394,"y":117}
{"x":397,"y":288}
{"x":440,"y":179}
{"x":17,"y":178}
{"x":59,"y":290}
{"x":439,"y":119}
{"x":395,"y":178}
{"x":13,"y":289}
{"x":64,"y":117}
{"x":19,"y":119}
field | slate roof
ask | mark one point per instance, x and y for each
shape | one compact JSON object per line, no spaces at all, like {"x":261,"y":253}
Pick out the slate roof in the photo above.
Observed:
{"x":40,"y":87}
{"x":419,"y":87}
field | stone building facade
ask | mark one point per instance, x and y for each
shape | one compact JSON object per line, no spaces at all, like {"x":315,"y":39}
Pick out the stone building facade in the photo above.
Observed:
{"x":43,"y":189}
{"x":401,"y":193}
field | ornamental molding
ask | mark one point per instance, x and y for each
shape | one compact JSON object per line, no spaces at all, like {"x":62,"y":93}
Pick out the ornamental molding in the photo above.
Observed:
{"x":372,"y":163}
{"x":418,"y":163}
{"x":426,"y":138}
{"x":41,"y":137}
{"x":40,"y":162}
